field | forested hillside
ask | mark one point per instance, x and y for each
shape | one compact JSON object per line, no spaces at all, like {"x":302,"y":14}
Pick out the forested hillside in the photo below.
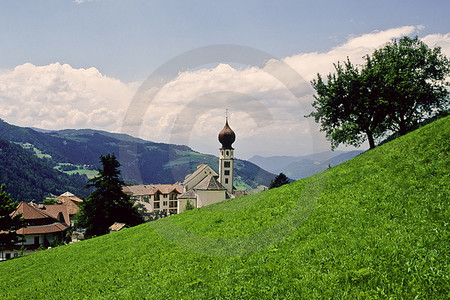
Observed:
{"x":143,"y":162}
{"x":28,"y":177}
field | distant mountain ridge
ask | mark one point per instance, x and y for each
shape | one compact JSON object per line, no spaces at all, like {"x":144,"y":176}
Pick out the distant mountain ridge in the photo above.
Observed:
{"x":298,"y":167}
{"x":143,"y":162}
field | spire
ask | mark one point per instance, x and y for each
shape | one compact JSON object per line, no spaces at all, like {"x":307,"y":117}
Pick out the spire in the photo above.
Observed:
{"x":227,"y":135}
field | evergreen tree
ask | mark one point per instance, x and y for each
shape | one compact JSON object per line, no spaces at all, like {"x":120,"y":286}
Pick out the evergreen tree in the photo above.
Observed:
{"x":107,"y":203}
{"x":280,"y":180}
{"x":9,"y":224}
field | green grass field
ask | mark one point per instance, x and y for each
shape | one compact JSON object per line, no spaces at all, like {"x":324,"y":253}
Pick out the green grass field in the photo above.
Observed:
{"x":373,"y":227}
{"x":77,"y":169}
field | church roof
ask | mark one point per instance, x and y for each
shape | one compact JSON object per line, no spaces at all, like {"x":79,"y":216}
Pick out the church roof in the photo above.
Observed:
{"x":188,"y":195}
{"x":200,"y":168}
{"x":227,"y":136}
{"x":209,"y":183}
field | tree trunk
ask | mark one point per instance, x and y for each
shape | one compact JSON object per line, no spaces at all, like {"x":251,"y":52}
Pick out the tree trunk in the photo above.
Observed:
{"x":402,"y":129}
{"x":370,"y":138}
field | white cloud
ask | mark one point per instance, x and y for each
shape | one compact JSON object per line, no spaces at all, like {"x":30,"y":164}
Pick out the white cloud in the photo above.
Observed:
{"x":190,"y":109}
{"x":441,"y":40}
{"x":58,"y":96}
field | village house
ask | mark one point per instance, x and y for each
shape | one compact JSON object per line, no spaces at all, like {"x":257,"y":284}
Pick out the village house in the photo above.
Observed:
{"x":47,"y":225}
{"x":156,"y":197}
{"x":72,"y":202}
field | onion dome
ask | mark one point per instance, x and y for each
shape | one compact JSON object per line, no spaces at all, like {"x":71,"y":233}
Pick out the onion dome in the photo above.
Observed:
{"x":227,"y":136}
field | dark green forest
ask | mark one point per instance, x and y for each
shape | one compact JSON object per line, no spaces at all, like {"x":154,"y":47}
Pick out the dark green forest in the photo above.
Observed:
{"x":28,"y":177}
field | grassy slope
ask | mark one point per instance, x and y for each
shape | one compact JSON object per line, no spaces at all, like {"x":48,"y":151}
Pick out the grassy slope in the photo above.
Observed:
{"x":375,"y":226}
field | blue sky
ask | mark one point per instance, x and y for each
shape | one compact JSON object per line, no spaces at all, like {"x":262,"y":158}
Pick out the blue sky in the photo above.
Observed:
{"x":129,"y":39}
{"x":78,"y":64}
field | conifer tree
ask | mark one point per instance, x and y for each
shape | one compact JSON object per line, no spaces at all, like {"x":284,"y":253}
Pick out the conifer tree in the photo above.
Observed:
{"x":280,"y":180}
{"x":108,"y":203}
{"x":8,"y":223}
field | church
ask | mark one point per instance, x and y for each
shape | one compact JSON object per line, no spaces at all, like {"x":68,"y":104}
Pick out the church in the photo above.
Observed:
{"x":205,"y":186}
{"x":201,"y":188}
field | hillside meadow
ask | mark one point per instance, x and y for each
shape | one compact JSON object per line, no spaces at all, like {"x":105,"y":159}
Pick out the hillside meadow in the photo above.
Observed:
{"x":373,"y":227}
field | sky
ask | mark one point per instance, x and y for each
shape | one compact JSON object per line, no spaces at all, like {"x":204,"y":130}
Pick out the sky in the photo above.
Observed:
{"x":166,"y":71}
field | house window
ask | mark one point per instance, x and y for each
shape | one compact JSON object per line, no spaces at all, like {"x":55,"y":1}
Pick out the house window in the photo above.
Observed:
{"x":227,"y":153}
{"x":226,"y":164}
{"x":227,"y":172}
{"x":156,"y":205}
{"x":164,"y":203}
{"x":226,"y":180}
{"x":36,"y":240}
{"x":165,"y":196}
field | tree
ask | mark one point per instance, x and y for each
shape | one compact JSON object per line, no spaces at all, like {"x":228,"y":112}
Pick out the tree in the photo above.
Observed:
{"x":347,"y":108}
{"x":412,"y":80}
{"x":280,"y":180}
{"x":396,"y":88}
{"x":9,"y":224}
{"x":107,"y":203}
{"x":189,"y":205}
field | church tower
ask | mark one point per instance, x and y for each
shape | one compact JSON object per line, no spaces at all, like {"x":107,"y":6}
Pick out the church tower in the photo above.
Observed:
{"x":226,"y":159}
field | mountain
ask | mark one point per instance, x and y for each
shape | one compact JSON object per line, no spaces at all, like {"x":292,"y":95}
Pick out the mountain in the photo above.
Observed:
{"x":373,"y":227}
{"x":143,"y":162}
{"x":299,"y":167}
{"x":29,"y":178}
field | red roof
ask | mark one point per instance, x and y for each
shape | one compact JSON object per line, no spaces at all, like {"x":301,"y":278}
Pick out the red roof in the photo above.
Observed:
{"x":51,"y":228}
{"x":151,"y":189}
{"x":71,"y":201}
{"x":55,"y":209}
{"x":30,"y":212}
{"x":50,"y":213}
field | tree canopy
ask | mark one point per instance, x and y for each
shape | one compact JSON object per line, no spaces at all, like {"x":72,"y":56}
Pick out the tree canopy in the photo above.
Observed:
{"x":107,"y":204}
{"x":396,"y":88}
{"x":280,"y":180}
{"x":9,"y":224}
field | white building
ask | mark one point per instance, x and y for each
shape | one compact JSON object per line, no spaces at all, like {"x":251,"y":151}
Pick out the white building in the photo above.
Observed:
{"x":205,"y":186}
{"x":201,"y":188}
{"x":156,"y":197}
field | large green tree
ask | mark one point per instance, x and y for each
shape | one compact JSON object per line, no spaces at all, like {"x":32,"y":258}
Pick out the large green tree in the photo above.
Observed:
{"x":9,"y":224}
{"x":397,"y":87}
{"x":107,"y":204}
{"x":412,"y":81}
{"x":347,"y":108}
